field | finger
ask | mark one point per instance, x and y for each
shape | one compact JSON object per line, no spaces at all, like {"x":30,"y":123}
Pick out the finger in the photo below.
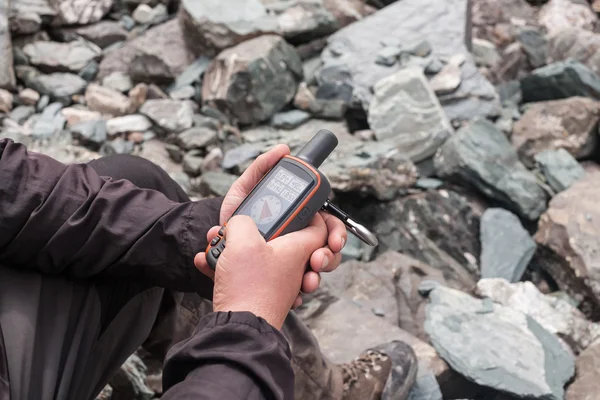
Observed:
{"x":212,"y":232}
{"x":241,"y":231}
{"x":304,"y":242}
{"x":297,"y":302}
{"x":338,"y":235}
{"x":261,"y":166}
{"x":202,"y":265}
{"x":310,"y":282}
{"x":324,"y":260}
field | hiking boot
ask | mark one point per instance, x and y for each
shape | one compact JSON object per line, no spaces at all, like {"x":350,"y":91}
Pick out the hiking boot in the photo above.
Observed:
{"x":386,"y":372}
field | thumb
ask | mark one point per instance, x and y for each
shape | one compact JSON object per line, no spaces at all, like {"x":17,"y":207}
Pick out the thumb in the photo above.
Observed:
{"x":242,"y":232}
{"x":304,"y":242}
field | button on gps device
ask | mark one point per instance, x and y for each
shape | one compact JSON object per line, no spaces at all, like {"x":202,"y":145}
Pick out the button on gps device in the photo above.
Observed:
{"x":289,"y":195}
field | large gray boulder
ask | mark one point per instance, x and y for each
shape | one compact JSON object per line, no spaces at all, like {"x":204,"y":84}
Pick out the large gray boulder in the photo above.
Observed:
{"x":7,"y":74}
{"x":561,"y":80}
{"x":79,"y":12}
{"x":560,"y":168}
{"x":210,"y":26}
{"x":159,"y":55}
{"x":506,"y":247}
{"x":61,"y":57}
{"x":497,"y":347}
{"x":480,"y":155}
{"x":406,"y":114}
{"x":443,"y":23}
{"x":555,"y":314}
{"x":253,"y":80}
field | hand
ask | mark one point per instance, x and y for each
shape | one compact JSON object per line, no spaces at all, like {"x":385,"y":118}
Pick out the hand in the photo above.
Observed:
{"x":325,"y":259}
{"x":263,"y":278}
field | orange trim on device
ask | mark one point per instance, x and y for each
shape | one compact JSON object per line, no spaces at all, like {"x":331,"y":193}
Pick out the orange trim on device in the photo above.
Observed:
{"x":208,"y":247}
{"x":312,"y":193}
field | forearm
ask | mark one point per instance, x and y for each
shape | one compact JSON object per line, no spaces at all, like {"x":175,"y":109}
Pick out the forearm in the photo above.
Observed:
{"x":230,"y":356}
{"x":61,"y":219}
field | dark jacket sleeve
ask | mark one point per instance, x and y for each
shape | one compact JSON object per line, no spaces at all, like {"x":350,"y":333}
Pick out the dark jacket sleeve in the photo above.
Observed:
{"x":65,"y":219}
{"x":230,"y":356}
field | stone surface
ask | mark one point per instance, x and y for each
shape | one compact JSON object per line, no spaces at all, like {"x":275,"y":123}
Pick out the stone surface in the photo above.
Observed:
{"x":253,"y":80}
{"x":406,"y":114}
{"x":192,"y":163}
{"x":239,"y":155}
{"x":506,"y":247}
{"x":442,"y":23}
{"x":75,"y":115}
{"x":495,"y":20}
{"x":197,"y":137}
{"x":58,"y":85}
{"x":144,"y":14}
{"x":26,"y":16}
{"x":130,"y":380}
{"x":587,"y":380}
{"x":128,"y":123}
{"x":118,"y":81}
{"x":578,"y":44}
{"x":449,"y":78}
{"x":171,"y":115}
{"x":91,"y":133}
{"x":107,"y":101}
{"x":79,"y":12}
{"x":569,"y":124}
{"x":6,"y":100}
{"x":305,"y":21}
{"x":439,"y":228}
{"x":21,"y":114}
{"x":210,"y":26}
{"x":216,"y":183}
{"x":50,"y":123}
{"x":289,"y":119}
{"x":306,"y":100}
{"x":561,"y":80}
{"x":535,"y":46}
{"x":482,"y":344}
{"x":61,"y":57}
{"x":105,"y":394}
{"x":569,"y":230}
{"x":558,"y":15}
{"x":485,"y":52}
{"x":191,"y":75}
{"x":480,"y":155}
{"x":102,"y":34}
{"x":116,"y":146}
{"x":560,"y":168}
{"x":29,"y":97}
{"x":556,"y":315}
{"x":7,"y":73}
{"x":159,"y":55}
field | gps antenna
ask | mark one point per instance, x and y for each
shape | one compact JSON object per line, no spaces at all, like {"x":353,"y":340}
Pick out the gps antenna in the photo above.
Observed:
{"x":318,"y":148}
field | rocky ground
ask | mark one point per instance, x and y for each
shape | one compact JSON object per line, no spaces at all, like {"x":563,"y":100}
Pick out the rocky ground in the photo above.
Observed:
{"x":468,"y":142}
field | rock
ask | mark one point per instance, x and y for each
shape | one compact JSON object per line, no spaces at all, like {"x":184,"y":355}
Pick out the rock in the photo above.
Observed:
{"x":443,"y":24}
{"x":554,"y":314}
{"x":439,"y":228}
{"x":75,"y":115}
{"x":50,"y":123}
{"x":70,"y":12}
{"x":128,"y":123}
{"x":57,"y":86}
{"x":197,"y":137}
{"x":174,"y":152}
{"x":216,"y":183}
{"x":506,"y":247}
{"x":144,"y":14}
{"x":43,"y":103}
{"x":6,"y":100}
{"x":483,"y":346}
{"x":496,"y":21}
{"x":7,"y":73}
{"x":417,"y":126}
{"x":171,"y":115}
{"x":514,"y":64}
{"x":306,"y":21}
{"x":480,"y":155}
{"x":159,"y":55}
{"x":561,"y":80}
{"x":191,"y":75}
{"x":535,"y":45}
{"x":90,"y":71}
{"x":184,"y":93}
{"x":107,"y":101}
{"x":21,"y":114}
{"x":154,"y":150}
{"x":425,"y":387}
{"x":306,"y":100}
{"x":577,"y":44}
{"x":253,"y":80}
{"x":213,"y":160}
{"x":118,"y":81}
{"x":449,"y":78}
{"x":192,"y":163}
{"x":26,"y":16}
{"x":568,"y":231}
{"x":239,"y":155}
{"x":117,"y":146}
{"x":91,"y":133}
{"x":569,"y":124}
{"x":105,"y":394}
{"x":138,"y":95}
{"x":103,"y":34}
{"x":560,"y":168}
{"x":29,"y":97}
{"x":130,"y":380}
{"x":213,"y":25}
{"x":289,"y":119}
{"x":485,"y":52}
{"x":585,"y":386}
{"x":61,"y":57}
{"x":557,"y":15}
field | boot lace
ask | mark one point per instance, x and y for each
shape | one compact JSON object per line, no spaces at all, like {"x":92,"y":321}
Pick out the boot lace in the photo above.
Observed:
{"x":362,"y":365}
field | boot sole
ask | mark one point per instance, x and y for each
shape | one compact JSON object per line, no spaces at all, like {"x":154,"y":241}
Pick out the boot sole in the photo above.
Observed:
{"x":399,"y":352}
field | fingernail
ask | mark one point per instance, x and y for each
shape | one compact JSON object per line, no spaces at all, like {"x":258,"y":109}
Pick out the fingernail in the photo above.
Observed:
{"x":343,"y":242}
{"x":325,"y":263}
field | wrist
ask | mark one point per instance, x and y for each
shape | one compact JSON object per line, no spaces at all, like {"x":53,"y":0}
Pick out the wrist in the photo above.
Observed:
{"x":271,"y":316}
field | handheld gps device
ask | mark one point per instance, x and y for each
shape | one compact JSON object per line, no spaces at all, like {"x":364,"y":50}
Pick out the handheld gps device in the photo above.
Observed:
{"x":289,"y":195}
